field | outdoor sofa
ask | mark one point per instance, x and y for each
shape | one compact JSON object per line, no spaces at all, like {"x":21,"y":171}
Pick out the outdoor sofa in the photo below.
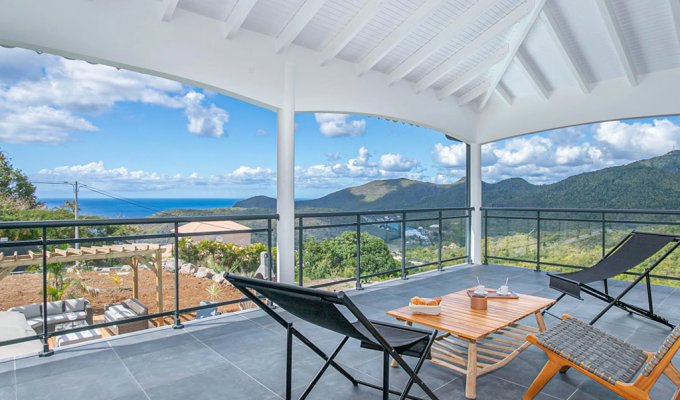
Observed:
{"x":130,"y":308}
{"x":58,"y":312}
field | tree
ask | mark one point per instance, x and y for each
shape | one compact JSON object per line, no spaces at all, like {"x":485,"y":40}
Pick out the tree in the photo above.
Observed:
{"x":16,"y":191}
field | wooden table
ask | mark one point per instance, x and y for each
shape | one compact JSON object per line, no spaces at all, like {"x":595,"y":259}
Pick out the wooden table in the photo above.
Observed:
{"x":476,"y":342}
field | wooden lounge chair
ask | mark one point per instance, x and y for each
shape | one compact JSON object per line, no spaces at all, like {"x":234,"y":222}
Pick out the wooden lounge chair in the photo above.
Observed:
{"x":619,"y":366}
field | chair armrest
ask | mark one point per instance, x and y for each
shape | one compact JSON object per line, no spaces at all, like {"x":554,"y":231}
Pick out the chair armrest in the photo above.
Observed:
{"x":567,"y":316}
{"x":402,"y":327}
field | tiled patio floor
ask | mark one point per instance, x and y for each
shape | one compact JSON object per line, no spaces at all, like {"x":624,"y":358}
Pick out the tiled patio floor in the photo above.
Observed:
{"x":242,"y":356}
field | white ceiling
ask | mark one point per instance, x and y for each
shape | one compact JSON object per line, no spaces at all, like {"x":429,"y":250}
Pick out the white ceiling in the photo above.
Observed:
{"x":479,"y":70}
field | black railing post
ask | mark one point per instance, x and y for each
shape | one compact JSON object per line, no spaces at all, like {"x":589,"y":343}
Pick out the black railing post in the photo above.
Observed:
{"x":403,"y":245}
{"x":357,"y":283}
{"x":439,"y":234}
{"x":300,"y":251}
{"x":45,"y":333}
{"x":269,"y":249}
{"x":538,"y":240}
{"x":604,"y":233}
{"x":485,"y":215}
{"x":178,"y":323}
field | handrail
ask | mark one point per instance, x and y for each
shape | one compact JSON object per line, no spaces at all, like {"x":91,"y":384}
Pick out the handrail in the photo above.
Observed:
{"x":585,"y":210}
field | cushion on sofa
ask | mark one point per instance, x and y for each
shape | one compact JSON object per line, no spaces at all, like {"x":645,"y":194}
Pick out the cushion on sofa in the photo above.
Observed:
{"x":35,"y":322}
{"x":55,"y":307}
{"x":118,"y":312}
{"x":29,"y":311}
{"x":74,"y":305}
{"x":136,"y":306}
{"x":56,"y":319}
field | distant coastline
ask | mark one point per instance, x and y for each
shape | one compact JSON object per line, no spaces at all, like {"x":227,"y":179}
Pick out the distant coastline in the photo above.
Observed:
{"x":138,"y":208}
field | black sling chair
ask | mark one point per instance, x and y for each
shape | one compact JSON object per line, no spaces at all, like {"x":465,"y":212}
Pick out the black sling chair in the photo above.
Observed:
{"x":630,"y":252}
{"x":320,"y":308}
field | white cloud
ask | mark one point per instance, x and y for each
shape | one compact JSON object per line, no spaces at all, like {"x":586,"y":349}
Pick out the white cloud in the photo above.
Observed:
{"x":40,"y":124}
{"x":397,"y":163}
{"x":638,"y":140}
{"x":449,"y":156}
{"x":70,"y":93}
{"x":337,"y":125}
{"x":252,"y":175}
{"x":204,"y":121}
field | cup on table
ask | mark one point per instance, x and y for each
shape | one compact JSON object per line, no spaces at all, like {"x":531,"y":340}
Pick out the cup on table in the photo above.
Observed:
{"x":480,"y":289}
{"x":503,"y":290}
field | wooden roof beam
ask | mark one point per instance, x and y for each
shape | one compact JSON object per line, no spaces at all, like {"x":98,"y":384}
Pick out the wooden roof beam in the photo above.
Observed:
{"x":675,"y":13}
{"x":349,"y":32}
{"x":516,"y":43}
{"x":299,"y":21}
{"x":534,"y":76}
{"x":473,"y":73}
{"x":169,"y":7}
{"x":502,"y":92}
{"x":548,"y":20}
{"x":616,"y":37}
{"x":473,"y":94}
{"x":440,"y":40}
{"x":399,"y":34}
{"x":237,"y":17}
{"x":471,"y":48}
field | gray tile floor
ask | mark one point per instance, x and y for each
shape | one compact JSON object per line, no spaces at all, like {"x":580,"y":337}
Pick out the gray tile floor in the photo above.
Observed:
{"x":243,"y":356}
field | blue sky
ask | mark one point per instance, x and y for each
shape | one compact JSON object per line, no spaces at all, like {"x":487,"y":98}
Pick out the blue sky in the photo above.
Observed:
{"x":141,"y":136}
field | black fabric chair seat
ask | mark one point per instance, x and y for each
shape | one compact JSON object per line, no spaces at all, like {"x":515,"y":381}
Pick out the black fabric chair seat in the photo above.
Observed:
{"x":406,"y":341}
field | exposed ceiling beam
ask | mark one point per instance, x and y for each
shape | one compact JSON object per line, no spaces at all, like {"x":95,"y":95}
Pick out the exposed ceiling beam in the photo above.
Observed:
{"x":169,"y":7}
{"x":532,"y":74}
{"x":237,"y":17}
{"x":473,"y":94}
{"x":399,"y":34}
{"x":472,"y":47}
{"x":342,"y":38}
{"x":444,"y":37}
{"x":301,"y":18}
{"x":474,"y":72}
{"x":616,"y":37}
{"x":516,"y":43}
{"x":548,"y":20}
{"x":504,"y":95}
{"x":675,"y":12}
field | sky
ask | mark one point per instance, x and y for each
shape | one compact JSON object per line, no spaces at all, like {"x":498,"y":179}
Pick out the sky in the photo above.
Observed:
{"x":136,"y":136}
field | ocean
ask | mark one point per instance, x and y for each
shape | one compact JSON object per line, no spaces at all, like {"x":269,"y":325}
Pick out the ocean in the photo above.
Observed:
{"x":138,"y":208}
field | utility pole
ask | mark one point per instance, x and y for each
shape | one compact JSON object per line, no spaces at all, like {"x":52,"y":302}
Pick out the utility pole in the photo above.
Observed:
{"x":75,"y":211}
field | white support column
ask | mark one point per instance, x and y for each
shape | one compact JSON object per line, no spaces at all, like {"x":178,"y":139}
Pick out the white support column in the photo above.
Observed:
{"x":285,"y":181}
{"x":475,"y":194}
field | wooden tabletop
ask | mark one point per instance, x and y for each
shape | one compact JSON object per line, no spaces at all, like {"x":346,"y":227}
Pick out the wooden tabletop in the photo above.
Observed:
{"x":459,"y":319}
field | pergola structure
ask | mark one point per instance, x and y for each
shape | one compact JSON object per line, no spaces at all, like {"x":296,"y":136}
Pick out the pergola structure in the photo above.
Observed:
{"x":9,"y":263}
{"x":477,"y":70}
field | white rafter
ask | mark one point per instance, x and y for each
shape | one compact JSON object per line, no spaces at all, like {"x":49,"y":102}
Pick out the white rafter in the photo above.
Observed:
{"x":237,"y":17}
{"x":399,"y":34}
{"x":548,"y":20}
{"x":474,"y":93}
{"x":504,"y":95}
{"x":617,"y":40}
{"x":472,"y":47}
{"x":675,"y":13}
{"x":169,"y":7}
{"x":342,"y":38}
{"x":532,"y":74}
{"x":474,"y":72}
{"x":444,"y":37}
{"x":301,"y":18}
{"x":514,"y":47}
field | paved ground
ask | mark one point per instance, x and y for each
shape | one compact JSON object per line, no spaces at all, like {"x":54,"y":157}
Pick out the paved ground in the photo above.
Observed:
{"x":243,"y":356}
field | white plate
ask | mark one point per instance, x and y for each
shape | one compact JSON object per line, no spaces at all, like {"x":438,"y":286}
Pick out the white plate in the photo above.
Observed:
{"x":481,"y":294}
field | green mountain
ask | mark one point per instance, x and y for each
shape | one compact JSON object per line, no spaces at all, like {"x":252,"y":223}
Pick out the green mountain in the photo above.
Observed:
{"x":650,"y":184}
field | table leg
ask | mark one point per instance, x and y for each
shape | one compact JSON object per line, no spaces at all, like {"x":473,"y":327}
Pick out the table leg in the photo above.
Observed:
{"x":471,"y":375}
{"x":394,"y":363}
{"x":540,"y":321}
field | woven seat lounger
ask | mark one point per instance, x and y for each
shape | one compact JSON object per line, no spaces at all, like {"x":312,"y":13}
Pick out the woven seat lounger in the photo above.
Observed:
{"x":621,"y":367}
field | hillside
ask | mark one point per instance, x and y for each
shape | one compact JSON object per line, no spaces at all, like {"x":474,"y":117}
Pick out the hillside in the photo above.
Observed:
{"x":652,"y":183}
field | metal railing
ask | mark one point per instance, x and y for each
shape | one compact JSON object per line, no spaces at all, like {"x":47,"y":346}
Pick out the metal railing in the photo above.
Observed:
{"x":534,"y":221}
{"x":366,"y":221}
{"x":44,"y":243}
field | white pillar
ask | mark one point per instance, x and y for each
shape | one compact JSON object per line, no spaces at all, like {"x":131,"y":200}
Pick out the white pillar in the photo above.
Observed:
{"x":476,"y":202}
{"x":285,"y":181}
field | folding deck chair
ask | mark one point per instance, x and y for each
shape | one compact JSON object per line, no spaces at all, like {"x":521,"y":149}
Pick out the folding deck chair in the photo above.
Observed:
{"x":322,"y":308}
{"x":630,"y":252}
